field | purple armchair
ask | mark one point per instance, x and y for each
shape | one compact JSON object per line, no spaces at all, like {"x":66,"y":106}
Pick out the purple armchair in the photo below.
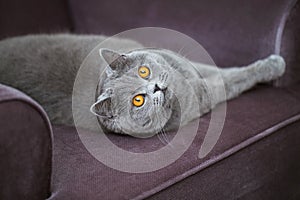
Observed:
{"x":257,"y":155}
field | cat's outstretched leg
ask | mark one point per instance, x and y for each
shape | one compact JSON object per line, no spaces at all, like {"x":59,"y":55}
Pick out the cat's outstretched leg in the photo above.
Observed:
{"x":239,"y":79}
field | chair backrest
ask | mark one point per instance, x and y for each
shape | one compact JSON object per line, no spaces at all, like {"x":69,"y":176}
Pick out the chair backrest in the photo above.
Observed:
{"x":234,"y":32}
{"x":33,"y":17}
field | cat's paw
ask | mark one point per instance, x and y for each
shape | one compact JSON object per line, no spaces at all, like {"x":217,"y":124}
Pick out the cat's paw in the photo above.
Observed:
{"x":270,"y":68}
{"x":276,"y":65}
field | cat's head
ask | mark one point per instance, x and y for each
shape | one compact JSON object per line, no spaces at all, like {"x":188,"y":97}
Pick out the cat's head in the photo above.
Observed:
{"x":134,"y":96}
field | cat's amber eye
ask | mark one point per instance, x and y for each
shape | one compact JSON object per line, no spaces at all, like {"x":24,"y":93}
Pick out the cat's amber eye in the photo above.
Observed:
{"x":144,"y":71}
{"x":138,"y":100}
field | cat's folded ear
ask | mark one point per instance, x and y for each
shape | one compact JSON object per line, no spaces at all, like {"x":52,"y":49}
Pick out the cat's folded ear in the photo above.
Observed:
{"x":115,"y":61}
{"x":102,"y":107}
{"x":110,"y":56}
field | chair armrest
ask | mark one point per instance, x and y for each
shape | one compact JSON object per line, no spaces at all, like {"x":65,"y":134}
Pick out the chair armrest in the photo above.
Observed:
{"x":25,"y":147}
{"x":288,"y":43}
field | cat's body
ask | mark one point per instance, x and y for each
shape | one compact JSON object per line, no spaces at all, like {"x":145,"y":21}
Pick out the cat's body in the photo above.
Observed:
{"x":45,"y":68}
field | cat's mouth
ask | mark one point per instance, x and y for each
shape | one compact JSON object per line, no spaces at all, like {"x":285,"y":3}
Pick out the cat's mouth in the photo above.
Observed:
{"x":167,"y":96}
{"x":164,"y":91}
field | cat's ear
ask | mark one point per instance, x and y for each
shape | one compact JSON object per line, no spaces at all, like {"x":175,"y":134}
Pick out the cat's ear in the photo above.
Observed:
{"x":115,"y":60}
{"x":102,"y":107}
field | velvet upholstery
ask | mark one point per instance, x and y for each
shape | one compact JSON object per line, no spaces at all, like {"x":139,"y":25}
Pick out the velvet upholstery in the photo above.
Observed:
{"x":33,"y":17}
{"x":75,"y":169}
{"x":289,"y":45}
{"x":264,"y":170}
{"x":25,"y":147}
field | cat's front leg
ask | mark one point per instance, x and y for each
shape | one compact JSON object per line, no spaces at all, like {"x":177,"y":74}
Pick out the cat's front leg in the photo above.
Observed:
{"x":239,"y":79}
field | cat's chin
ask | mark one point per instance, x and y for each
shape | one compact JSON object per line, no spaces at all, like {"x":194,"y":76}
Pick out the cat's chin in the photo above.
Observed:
{"x":150,"y":128}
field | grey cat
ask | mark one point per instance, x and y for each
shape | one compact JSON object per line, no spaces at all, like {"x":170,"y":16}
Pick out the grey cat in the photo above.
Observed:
{"x":141,"y":92}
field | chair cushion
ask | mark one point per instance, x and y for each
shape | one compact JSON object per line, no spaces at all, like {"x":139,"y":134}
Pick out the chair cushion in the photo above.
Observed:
{"x":250,"y":117}
{"x":266,"y":169}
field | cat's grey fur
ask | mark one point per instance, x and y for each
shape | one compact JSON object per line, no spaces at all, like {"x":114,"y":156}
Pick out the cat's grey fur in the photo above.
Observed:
{"x":45,"y":68}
